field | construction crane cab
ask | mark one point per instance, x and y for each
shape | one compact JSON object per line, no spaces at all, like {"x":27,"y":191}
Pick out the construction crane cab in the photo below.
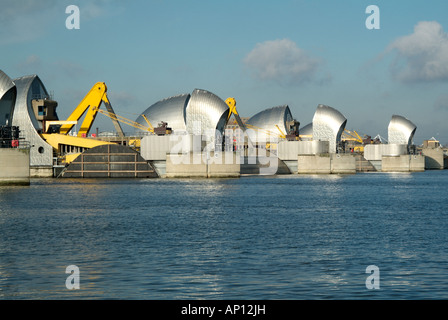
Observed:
{"x":293,"y":130}
{"x":162,"y":129}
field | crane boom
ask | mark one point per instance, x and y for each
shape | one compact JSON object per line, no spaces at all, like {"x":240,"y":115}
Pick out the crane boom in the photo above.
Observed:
{"x":90,"y":104}
{"x":351,"y":135}
{"x":282,"y":134}
{"x":117,"y":118}
{"x":109,"y":109}
{"x":231,"y":102}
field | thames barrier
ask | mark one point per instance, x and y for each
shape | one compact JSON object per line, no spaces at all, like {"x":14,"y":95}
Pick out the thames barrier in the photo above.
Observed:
{"x":195,"y":134}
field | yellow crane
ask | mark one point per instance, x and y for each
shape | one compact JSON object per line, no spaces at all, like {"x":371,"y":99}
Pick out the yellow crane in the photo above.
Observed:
{"x":352,"y":135}
{"x":90,"y":104}
{"x":134,"y":124}
{"x":69,"y":147}
{"x":162,"y":129}
{"x":231,"y":103}
{"x":267,"y":132}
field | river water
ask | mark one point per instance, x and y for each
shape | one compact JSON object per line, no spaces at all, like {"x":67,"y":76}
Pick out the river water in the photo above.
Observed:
{"x":255,"y":237}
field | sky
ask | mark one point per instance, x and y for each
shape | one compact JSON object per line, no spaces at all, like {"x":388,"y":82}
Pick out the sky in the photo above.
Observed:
{"x":263,"y":53}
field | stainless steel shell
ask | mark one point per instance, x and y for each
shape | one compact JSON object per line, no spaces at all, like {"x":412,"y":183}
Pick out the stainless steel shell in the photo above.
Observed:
{"x":206,"y":113}
{"x":263,"y":125}
{"x":170,"y":110}
{"x":198,"y":113}
{"x":28,"y":88}
{"x":8,"y":93}
{"x":306,"y":133}
{"x":328,"y":125}
{"x":401,"y":130}
{"x":375,"y":152}
{"x":6,"y":83}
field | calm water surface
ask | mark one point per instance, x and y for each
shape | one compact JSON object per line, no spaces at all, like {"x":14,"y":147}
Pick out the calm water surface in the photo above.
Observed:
{"x":283,"y":237}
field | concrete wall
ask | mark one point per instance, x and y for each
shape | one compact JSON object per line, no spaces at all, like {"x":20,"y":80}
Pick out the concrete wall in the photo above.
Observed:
{"x":403,"y":163}
{"x":416,"y":163}
{"x":199,"y":165}
{"x":225,"y":165}
{"x":326,"y":164}
{"x":434,"y":158}
{"x":14,"y":166}
{"x":312,"y":164}
{"x":343,"y":163}
{"x":41,"y":171}
{"x":264,"y":165}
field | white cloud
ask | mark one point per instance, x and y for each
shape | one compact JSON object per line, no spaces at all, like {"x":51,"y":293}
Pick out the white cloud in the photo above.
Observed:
{"x":282,"y":61}
{"x":422,"y":55}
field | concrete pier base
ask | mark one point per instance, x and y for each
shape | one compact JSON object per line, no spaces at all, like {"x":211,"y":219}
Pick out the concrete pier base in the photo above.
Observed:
{"x":314,"y":164}
{"x":343,"y":163}
{"x":14,"y":166}
{"x":326,"y":164}
{"x":41,"y":172}
{"x":403,"y":163}
{"x":434,"y":158}
{"x":263,"y":165}
{"x":203,"y":165}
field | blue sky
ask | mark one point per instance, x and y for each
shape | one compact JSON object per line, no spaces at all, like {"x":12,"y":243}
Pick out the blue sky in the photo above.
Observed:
{"x":263,"y":53}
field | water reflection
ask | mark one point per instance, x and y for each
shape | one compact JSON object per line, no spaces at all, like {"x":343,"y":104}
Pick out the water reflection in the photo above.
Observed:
{"x":270,"y":237}
{"x":400,"y":175}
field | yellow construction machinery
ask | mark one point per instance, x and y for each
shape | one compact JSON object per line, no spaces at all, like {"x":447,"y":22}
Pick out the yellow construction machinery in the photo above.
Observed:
{"x":91,"y":104}
{"x":231,"y":103}
{"x":356,"y":140}
{"x":68,"y":147}
{"x":162,"y":129}
{"x":351,"y":135}
{"x":282,"y":135}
